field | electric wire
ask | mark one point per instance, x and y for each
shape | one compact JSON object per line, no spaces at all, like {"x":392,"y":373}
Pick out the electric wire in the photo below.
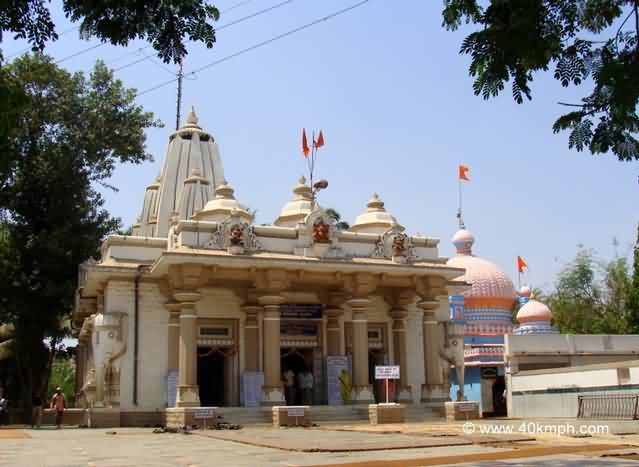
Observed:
{"x":258,"y":45}
{"x":101,"y":44}
{"x":224,"y":26}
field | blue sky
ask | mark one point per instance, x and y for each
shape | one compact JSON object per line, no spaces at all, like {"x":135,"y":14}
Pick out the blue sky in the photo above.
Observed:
{"x":388,"y":87}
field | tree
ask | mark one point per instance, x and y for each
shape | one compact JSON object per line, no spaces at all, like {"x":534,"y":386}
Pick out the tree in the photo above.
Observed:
{"x":336,"y":216}
{"x":164,"y":23}
{"x":581,"y":39}
{"x":633,"y":295}
{"x":591,"y":296}
{"x":70,"y":135}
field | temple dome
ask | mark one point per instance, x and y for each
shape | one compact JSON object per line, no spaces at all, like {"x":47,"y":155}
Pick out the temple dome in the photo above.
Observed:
{"x":534,"y":318}
{"x":525,"y":291}
{"x":492,"y":296}
{"x":222,"y":206}
{"x":298,"y":207}
{"x":376,"y":219}
{"x":534,"y":311}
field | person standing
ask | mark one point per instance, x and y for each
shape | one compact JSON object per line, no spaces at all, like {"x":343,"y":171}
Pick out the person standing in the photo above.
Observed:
{"x":58,"y":403}
{"x":4,"y":409}
{"x":308,"y":388}
{"x":289,"y":386}
{"x":36,"y":410}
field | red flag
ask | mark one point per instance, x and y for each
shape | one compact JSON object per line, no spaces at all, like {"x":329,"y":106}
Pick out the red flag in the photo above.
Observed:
{"x":463,"y":171}
{"x":521,"y":264}
{"x":320,"y":140}
{"x":305,"y":148}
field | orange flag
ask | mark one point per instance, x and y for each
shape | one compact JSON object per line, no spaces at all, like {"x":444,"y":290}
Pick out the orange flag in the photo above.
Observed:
{"x":305,"y":148}
{"x":463,"y":171}
{"x":320,"y":140}
{"x":521,"y":264}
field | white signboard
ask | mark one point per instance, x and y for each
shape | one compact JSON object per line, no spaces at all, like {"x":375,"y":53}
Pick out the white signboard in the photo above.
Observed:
{"x":204,"y":413}
{"x":387,"y":372}
{"x":294,"y":411}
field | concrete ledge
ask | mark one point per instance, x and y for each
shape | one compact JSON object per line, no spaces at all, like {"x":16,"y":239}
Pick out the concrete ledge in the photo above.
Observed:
{"x":462,"y":410}
{"x":291,"y":415}
{"x":386,"y":413}
{"x":102,"y":417}
{"x":178,"y":417}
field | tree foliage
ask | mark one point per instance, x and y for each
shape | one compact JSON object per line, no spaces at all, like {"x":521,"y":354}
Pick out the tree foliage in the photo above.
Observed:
{"x":166,"y":24}
{"x":337,"y":217}
{"x":70,"y":135}
{"x":633,"y":297}
{"x":581,"y":39}
{"x":591,"y":296}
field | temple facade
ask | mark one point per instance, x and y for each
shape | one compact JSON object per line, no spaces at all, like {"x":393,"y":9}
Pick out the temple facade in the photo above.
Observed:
{"x":200,"y":306}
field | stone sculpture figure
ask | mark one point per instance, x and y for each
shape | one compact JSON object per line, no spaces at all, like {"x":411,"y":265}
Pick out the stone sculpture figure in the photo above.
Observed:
{"x":321,"y":231}
{"x":236,"y":236}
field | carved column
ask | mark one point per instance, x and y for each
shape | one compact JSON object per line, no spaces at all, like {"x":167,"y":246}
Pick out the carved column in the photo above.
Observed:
{"x":334,"y":332}
{"x":272,"y":392}
{"x":362,"y":392}
{"x":187,"y":390}
{"x":173,"y":348}
{"x":433,"y":390}
{"x":398,"y":313}
{"x":251,"y":337}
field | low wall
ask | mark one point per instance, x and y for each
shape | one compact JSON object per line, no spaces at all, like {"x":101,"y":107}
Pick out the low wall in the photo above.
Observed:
{"x":555,"y":392}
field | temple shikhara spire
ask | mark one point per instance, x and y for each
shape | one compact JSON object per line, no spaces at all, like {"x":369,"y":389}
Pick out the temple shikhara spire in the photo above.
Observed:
{"x":191,"y":171}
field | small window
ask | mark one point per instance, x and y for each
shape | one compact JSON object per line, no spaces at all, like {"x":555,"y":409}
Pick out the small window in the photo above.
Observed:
{"x":214,"y":332}
{"x":374,"y":335}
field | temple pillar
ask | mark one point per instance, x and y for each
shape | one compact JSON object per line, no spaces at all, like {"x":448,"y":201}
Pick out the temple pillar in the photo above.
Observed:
{"x":272,"y":391}
{"x":334,"y":332}
{"x":251,"y":337}
{"x":400,"y":354}
{"x":434,"y":389}
{"x":173,"y":348}
{"x":187,"y":390}
{"x":362,"y":392}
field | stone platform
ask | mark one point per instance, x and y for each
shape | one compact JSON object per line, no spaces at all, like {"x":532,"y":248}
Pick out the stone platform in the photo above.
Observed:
{"x":462,"y":410}
{"x":386,"y":413}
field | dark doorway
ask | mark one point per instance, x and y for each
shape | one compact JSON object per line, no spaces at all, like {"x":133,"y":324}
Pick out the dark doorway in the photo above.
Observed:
{"x":499,"y":398}
{"x":376,"y":358}
{"x":295,"y":363}
{"x":210,"y":377}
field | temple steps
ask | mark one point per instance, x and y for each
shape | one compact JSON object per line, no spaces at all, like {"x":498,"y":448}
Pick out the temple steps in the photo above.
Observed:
{"x":324,"y":414}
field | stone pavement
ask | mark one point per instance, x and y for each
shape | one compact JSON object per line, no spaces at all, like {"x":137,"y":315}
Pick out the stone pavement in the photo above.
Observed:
{"x":284,"y":447}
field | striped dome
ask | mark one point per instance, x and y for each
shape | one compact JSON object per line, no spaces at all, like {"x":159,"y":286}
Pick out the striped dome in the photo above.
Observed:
{"x":492,"y":296}
{"x":534,"y":311}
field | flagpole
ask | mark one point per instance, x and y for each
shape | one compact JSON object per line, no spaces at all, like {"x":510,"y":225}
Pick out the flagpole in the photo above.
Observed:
{"x":459,"y":207}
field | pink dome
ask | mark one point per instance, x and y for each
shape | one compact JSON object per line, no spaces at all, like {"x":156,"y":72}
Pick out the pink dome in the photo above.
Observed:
{"x":491,"y":287}
{"x":534,"y":311}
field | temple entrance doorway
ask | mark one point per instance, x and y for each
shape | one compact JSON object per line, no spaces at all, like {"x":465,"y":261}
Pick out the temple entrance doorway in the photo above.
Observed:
{"x":378,"y":358}
{"x":211,"y":370}
{"x":296,"y":366}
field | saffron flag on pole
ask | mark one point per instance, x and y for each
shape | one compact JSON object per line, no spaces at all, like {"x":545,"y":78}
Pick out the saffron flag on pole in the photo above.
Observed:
{"x":463,"y":172}
{"x":305,"y":148}
{"x":521,"y":264}
{"x":320,"y":140}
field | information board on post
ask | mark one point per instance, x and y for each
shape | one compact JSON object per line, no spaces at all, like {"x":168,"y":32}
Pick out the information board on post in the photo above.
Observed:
{"x":387,"y":372}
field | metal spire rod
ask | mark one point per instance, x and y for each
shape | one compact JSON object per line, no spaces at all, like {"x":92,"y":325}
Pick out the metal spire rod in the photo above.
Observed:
{"x":180,"y":76}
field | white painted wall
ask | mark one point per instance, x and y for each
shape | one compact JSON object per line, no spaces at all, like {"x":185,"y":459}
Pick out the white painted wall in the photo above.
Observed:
{"x":564,"y":386}
{"x":153,"y":349}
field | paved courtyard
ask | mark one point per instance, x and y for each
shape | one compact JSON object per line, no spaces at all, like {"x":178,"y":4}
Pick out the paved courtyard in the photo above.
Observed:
{"x":261,"y":446}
